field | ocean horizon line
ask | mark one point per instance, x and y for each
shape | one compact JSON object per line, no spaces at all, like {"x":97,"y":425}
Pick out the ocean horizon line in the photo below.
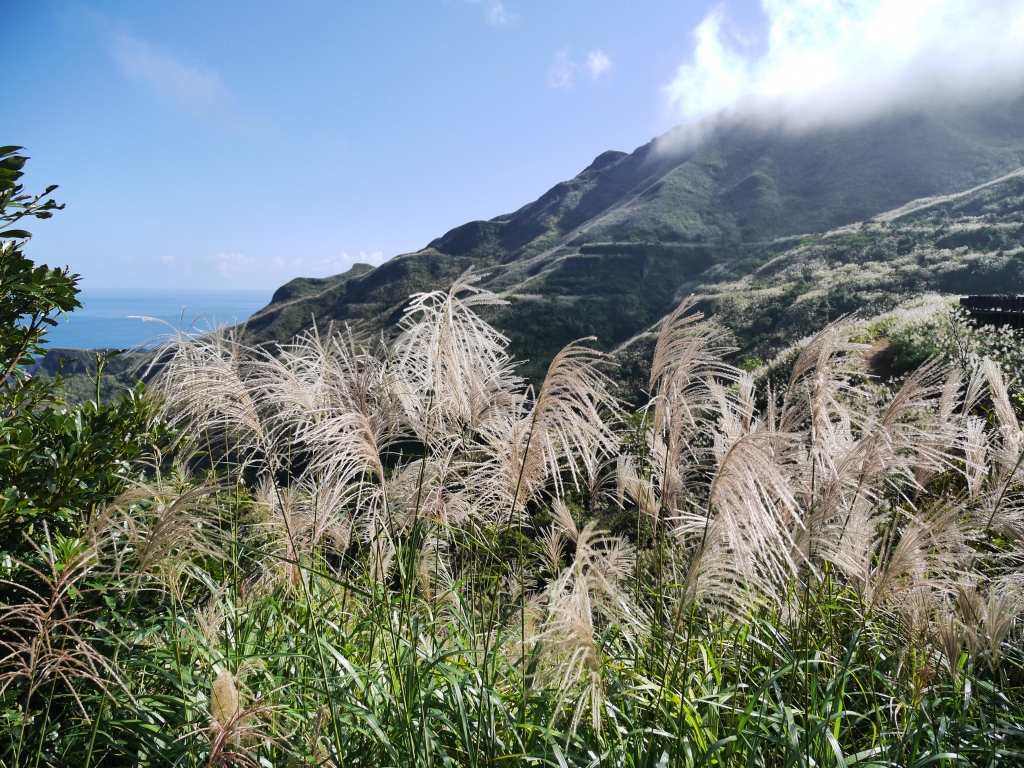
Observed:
{"x":111,"y":318}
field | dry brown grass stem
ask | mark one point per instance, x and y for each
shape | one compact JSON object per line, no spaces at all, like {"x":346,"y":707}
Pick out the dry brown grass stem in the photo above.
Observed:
{"x":49,"y":635}
{"x":152,"y":534}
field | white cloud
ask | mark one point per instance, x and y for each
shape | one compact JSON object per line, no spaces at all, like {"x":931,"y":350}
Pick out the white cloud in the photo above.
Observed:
{"x":562,"y":72}
{"x":598,"y":63}
{"x":235,"y":264}
{"x":331,"y":265}
{"x":823,"y":59}
{"x":494,"y":11}
{"x":240,"y":268}
{"x":200,"y":94}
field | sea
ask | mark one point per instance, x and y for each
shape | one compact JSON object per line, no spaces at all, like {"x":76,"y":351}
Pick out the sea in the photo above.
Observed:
{"x":111,"y":318}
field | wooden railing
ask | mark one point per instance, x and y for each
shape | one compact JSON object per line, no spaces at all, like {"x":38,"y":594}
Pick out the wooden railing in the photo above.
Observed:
{"x":993,"y":303}
{"x":998,"y":309}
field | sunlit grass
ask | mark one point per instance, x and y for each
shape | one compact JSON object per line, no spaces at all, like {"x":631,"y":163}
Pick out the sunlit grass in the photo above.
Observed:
{"x":387,"y":554}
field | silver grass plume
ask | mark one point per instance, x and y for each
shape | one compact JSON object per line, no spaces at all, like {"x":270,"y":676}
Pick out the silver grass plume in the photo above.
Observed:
{"x":453,"y":370}
{"x":225,"y":699}
{"x":586,"y":595}
{"x":566,"y":429}
{"x":206,"y":393}
{"x":240,"y":731}
{"x":160,"y":531}
{"x":687,"y":361}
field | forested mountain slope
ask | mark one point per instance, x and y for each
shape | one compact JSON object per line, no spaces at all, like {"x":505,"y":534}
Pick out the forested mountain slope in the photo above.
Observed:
{"x":610,"y":251}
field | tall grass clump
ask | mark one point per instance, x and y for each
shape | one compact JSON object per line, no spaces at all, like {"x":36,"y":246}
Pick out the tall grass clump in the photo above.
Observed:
{"x":390,"y":553}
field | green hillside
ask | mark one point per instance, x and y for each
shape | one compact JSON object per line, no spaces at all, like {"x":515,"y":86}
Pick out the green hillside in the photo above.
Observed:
{"x":753,"y":219}
{"x":971,"y":242}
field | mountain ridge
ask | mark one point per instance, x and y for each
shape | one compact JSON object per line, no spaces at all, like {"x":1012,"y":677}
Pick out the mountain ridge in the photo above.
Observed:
{"x":609,"y":250}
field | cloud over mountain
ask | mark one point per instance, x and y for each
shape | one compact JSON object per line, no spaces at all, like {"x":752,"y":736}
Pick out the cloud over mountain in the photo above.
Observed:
{"x":847,"y":59}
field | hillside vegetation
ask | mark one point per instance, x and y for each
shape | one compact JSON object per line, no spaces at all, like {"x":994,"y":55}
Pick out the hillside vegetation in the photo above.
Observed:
{"x":768,"y":297}
{"x":610,"y":252}
{"x":966,"y":243}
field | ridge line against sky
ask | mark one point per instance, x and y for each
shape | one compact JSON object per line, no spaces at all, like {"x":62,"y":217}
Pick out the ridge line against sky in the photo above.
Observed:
{"x":243,"y":144}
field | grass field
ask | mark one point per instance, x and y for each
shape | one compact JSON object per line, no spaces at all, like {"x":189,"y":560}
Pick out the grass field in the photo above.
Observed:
{"x":395,"y":554}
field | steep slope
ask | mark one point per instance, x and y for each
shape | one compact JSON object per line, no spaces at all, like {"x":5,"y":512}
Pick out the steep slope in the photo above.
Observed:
{"x":970,"y":242}
{"x":608,"y":252}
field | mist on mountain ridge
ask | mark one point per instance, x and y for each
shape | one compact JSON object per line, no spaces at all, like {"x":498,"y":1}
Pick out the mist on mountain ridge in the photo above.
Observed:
{"x":837,"y":62}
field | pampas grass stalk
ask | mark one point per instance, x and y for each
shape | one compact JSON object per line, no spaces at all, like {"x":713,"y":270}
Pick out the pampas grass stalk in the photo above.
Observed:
{"x":824,"y":574}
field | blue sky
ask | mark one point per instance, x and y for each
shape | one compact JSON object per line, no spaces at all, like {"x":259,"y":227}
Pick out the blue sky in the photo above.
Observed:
{"x":244,"y":143}
{"x":239,"y":144}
